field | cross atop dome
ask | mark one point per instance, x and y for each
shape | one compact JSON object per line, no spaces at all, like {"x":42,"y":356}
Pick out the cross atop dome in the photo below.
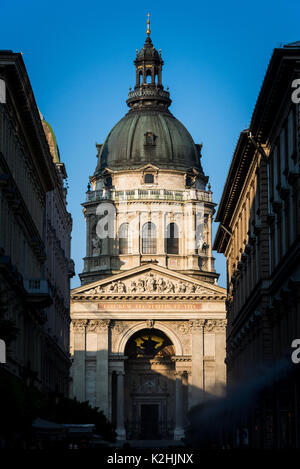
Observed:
{"x":148,"y":25}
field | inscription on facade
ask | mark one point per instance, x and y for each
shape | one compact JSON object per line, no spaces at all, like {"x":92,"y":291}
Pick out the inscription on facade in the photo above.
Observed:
{"x":152,"y":306}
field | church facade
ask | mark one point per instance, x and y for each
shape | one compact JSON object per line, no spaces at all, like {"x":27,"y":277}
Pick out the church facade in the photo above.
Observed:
{"x":148,"y":321}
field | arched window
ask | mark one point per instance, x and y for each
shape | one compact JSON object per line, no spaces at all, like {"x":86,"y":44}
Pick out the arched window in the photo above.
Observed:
{"x":149,"y":238}
{"x":172,"y":239}
{"x":124,"y":239}
{"x":140,"y":78}
{"x":148,"y":77}
{"x":149,"y":179}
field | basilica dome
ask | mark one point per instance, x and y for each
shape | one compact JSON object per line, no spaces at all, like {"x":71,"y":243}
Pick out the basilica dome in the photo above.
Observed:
{"x":149,"y":133}
{"x":149,"y":136}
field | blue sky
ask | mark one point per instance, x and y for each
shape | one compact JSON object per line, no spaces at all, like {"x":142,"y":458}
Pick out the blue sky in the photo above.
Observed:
{"x":79,"y":56}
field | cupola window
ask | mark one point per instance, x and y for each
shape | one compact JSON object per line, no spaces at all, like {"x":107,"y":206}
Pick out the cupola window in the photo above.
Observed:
{"x":149,"y":138}
{"x":149,"y":179}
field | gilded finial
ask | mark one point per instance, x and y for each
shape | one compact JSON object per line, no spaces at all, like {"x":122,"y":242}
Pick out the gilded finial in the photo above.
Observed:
{"x":148,"y":25}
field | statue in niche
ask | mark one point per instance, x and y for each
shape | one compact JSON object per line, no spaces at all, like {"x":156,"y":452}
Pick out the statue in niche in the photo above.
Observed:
{"x":96,"y":246}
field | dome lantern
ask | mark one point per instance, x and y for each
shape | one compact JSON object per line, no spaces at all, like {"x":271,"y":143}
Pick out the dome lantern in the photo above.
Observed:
{"x":148,"y":90}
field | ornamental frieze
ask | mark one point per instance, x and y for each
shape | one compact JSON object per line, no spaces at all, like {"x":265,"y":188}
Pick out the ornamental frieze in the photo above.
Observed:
{"x":149,"y":284}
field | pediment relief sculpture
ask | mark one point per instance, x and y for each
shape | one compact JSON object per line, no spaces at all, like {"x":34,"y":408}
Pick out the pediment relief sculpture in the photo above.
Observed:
{"x":150,"y":284}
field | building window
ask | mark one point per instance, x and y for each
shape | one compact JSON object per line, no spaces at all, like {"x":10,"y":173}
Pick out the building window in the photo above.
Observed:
{"x":149,"y":179}
{"x":108,"y":181}
{"x":149,"y":138}
{"x":188,"y":181}
{"x":149,"y":238}
{"x":124,"y":241}
{"x":172,"y":239}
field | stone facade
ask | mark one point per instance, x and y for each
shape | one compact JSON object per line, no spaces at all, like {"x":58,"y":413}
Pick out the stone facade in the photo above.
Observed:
{"x":259,"y":235}
{"x":107,"y":314}
{"x":32,"y":205}
{"x":148,"y":322}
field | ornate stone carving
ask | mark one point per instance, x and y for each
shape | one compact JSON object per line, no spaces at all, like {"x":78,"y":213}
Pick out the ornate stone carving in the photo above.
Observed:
{"x":183,"y":327}
{"x":95,"y":291}
{"x":98,"y":325}
{"x":150,"y":323}
{"x":150,"y":284}
{"x":79,"y":325}
{"x":118,"y":327}
{"x":197,"y":324}
{"x":210,"y":325}
{"x":116,"y":287}
{"x":220,"y":325}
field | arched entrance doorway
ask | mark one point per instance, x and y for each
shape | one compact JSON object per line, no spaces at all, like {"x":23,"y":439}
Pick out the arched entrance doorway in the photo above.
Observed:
{"x":149,"y":385}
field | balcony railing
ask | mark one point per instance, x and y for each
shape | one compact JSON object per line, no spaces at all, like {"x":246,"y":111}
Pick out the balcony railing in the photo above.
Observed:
{"x":148,"y":194}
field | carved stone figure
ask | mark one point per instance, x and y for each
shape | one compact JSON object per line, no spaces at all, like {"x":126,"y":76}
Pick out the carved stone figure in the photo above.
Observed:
{"x":140,"y":286}
{"x":180,"y":287}
{"x":161,"y":285}
{"x":133,"y":286}
{"x":121,"y":287}
{"x":150,"y":283}
{"x":190,"y":288}
{"x":169,"y":287}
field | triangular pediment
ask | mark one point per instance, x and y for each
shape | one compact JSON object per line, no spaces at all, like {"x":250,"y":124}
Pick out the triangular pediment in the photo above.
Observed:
{"x":150,"y":280}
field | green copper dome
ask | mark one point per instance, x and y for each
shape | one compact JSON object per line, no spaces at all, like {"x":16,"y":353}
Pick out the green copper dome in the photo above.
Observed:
{"x":148,"y":136}
{"x":149,"y":133}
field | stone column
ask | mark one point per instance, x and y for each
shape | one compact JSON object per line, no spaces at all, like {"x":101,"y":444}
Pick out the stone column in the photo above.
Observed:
{"x":79,"y":359}
{"x":179,"y":431}
{"x":197,"y":391}
{"x":101,"y":327}
{"x":121,"y":434}
{"x":161,"y":233}
{"x":220,"y":353}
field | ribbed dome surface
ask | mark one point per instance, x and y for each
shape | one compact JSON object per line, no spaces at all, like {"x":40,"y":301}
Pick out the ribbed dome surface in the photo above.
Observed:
{"x":126,"y":147}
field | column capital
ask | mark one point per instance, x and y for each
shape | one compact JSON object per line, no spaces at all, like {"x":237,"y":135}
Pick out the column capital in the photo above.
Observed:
{"x":79,"y":325}
{"x":98,"y":325}
{"x":197,"y":324}
{"x":215,"y":325}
